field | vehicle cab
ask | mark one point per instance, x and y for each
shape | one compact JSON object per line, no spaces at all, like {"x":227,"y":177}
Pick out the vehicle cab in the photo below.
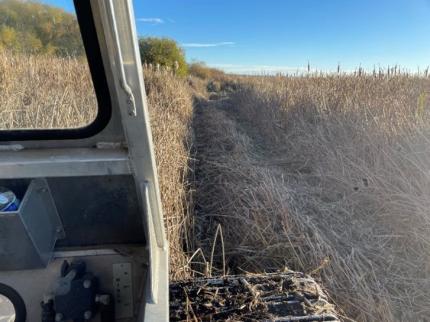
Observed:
{"x":86,"y":241}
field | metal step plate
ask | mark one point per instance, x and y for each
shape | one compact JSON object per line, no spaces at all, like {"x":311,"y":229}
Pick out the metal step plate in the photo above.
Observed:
{"x":122,"y":282}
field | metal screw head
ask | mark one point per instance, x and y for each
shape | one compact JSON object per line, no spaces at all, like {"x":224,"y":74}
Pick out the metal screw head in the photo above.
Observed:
{"x":87,"y":284}
{"x":58,"y":317}
{"x":103,"y":299}
{"x":87,"y":315}
{"x":48,"y":297}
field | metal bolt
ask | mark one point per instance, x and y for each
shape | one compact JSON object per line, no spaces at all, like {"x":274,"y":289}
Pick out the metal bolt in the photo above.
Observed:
{"x":58,"y":317}
{"x":87,"y":284}
{"x":47,"y":298}
{"x":87,"y":315}
{"x":103,"y":299}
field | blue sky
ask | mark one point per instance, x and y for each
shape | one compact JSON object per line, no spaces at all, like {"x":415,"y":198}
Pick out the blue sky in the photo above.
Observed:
{"x":283,"y":35}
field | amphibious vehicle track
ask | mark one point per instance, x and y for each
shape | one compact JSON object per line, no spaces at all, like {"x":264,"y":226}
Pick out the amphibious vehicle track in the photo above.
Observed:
{"x":279,"y":297}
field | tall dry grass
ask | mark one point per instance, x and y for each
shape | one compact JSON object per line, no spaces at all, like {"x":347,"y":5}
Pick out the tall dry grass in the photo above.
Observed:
{"x":328,"y":175}
{"x":171,"y":108}
{"x":45,"y":92}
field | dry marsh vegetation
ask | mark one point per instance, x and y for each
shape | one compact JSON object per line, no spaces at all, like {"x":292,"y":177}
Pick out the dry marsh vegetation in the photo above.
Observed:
{"x":171,"y":108}
{"x":328,"y":175}
{"x":45,"y":92}
{"x":324,"y":174}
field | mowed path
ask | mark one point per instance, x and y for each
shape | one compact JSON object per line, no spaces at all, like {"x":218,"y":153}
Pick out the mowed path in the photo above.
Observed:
{"x":262,"y":206}
{"x":239,"y":187}
{"x":241,"y":200}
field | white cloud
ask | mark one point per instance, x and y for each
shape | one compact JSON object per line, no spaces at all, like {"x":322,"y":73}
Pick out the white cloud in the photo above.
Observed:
{"x":208,"y":45}
{"x":152,"y":21}
{"x":258,"y":69}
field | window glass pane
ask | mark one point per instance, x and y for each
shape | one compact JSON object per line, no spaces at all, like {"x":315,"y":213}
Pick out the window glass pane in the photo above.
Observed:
{"x":45,"y":81}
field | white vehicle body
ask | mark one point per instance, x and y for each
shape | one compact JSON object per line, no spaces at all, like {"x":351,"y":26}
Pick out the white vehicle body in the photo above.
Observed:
{"x":118,"y":164}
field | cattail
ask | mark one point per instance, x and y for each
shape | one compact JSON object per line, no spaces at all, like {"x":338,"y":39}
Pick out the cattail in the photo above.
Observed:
{"x":175,"y":67}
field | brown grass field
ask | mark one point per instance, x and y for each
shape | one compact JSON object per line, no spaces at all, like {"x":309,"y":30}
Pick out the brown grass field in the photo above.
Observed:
{"x":45,"y":92}
{"x":326,"y":174}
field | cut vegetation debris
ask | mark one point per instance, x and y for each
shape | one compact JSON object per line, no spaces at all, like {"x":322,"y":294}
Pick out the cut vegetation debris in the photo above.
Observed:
{"x":278,"y":297}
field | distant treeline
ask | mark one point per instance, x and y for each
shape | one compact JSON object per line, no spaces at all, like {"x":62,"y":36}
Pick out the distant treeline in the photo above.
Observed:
{"x":32,"y":27}
{"x":166,"y":53}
